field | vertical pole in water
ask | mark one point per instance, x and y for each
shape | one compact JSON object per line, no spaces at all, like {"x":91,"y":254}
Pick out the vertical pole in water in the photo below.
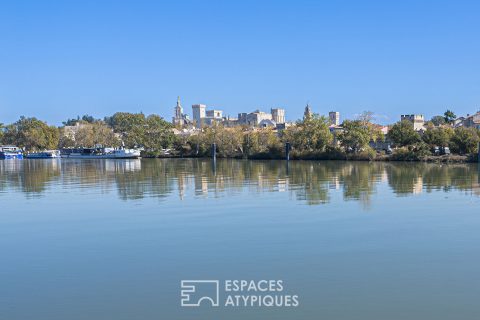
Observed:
{"x":287,"y":156}
{"x":214,"y":157}
{"x":214,"y":151}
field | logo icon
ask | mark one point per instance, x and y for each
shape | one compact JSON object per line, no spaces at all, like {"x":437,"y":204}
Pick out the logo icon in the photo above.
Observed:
{"x":194,"y":292}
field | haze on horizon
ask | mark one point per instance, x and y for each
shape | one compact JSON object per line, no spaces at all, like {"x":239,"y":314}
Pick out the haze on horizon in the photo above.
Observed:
{"x":59,"y":59}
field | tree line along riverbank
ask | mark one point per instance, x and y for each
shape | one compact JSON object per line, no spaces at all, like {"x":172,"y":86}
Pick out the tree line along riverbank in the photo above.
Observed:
{"x":310,"y":139}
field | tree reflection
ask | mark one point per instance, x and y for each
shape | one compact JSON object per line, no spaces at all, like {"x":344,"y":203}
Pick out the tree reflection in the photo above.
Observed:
{"x":31,"y":177}
{"x":311,"y":182}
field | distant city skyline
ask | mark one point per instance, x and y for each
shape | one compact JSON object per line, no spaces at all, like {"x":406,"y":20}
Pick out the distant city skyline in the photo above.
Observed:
{"x":60,"y":59}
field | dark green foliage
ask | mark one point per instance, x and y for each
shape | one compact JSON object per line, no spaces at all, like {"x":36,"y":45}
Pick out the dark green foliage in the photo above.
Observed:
{"x":403,"y":134}
{"x":85,"y":118}
{"x":465,"y":140}
{"x":438,"y":136}
{"x":355,"y":136}
{"x":449,"y":116}
{"x":438,"y":120}
{"x":152,"y":132}
{"x":310,"y":134}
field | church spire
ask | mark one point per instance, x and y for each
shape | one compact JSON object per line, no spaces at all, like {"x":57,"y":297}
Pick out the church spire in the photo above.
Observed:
{"x":307,"y":114}
{"x":178,"y":113}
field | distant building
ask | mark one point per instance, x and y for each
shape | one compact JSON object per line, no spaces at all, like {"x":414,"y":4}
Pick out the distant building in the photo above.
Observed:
{"x":204,"y":117}
{"x":278,"y":115}
{"x":459,"y":121}
{"x":334,"y":117}
{"x":199,"y":114}
{"x":230,"y":121}
{"x":215,"y":114}
{"x":253,"y":119}
{"x":470,"y":121}
{"x":307,"y":114}
{"x":267,"y":123}
{"x":417,"y":120}
{"x":180,"y":118}
{"x":242,"y":118}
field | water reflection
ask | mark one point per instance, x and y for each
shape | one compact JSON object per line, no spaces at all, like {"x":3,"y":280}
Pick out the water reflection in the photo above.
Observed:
{"x":307,"y":181}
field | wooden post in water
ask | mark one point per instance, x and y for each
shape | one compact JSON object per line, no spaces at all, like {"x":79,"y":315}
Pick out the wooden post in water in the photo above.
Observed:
{"x":287,"y":151}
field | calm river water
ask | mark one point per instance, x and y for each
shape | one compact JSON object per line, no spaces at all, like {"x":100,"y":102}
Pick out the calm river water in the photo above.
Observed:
{"x":112,"y":239}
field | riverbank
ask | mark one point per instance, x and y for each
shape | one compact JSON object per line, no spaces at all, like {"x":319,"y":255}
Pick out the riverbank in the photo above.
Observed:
{"x":349,"y":157}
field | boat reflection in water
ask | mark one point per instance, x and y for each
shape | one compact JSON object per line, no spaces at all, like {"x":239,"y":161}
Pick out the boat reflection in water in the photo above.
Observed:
{"x":308,"y":182}
{"x":124,"y":166}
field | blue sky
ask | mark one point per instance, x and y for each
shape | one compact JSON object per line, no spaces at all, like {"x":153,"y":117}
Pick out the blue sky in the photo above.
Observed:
{"x":63,"y":59}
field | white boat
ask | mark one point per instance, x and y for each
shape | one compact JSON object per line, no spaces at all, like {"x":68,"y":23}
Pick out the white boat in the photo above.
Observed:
{"x":48,"y":154}
{"x":101,"y":153}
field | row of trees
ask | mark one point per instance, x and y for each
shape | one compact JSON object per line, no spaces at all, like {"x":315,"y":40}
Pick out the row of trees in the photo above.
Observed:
{"x":122,"y":129}
{"x":460,"y":140}
{"x":310,"y":137}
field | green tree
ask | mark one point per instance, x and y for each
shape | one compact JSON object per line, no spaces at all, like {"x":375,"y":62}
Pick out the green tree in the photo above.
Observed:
{"x":449,"y":116}
{"x":262,"y":142}
{"x":403,"y":134}
{"x":84,"y":118}
{"x":438,"y":120}
{"x":229,"y":141}
{"x":31,"y":134}
{"x":355,"y":136}
{"x":71,"y":122}
{"x":66,"y":140}
{"x":158,"y":133}
{"x":465,"y":140}
{"x":89,"y":119}
{"x":130,"y":126}
{"x":438,"y":136}
{"x":310,"y":134}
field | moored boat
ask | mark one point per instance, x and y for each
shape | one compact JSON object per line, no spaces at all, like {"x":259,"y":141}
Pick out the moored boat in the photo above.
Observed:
{"x":10,"y":152}
{"x":100,"y":153}
{"x":48,"y":154}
